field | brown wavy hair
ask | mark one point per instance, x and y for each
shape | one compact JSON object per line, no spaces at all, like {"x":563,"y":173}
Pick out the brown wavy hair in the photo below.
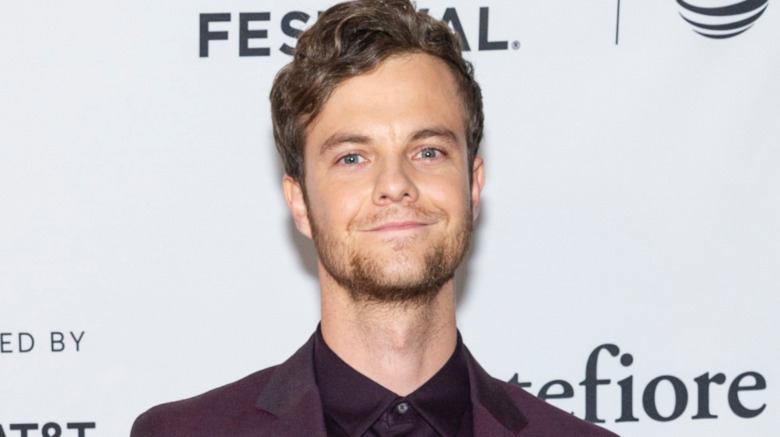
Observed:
{"x":350,"y":39}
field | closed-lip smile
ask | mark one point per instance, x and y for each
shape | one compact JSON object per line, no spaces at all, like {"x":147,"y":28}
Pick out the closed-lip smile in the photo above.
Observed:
{"x":397,"y":226}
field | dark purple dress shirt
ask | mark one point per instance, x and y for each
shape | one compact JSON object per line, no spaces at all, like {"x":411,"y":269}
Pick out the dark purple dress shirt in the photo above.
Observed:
{"x":355,"y":406}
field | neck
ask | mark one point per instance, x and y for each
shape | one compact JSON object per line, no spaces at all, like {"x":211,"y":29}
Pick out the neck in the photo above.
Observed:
{"x":399,"y":346}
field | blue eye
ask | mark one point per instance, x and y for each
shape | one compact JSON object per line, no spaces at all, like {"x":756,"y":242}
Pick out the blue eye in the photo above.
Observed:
{"x":430,"y":153}
{"x":351,"y":159}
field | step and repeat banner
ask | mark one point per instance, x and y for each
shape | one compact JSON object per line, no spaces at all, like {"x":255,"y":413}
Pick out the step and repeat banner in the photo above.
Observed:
{"x":626,"y":260}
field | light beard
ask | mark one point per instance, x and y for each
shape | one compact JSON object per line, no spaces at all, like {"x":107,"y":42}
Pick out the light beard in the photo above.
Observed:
{"x":366,"y":279}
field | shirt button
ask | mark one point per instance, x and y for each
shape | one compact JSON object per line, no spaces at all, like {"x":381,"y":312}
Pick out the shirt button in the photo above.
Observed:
{"x":402,"y":408}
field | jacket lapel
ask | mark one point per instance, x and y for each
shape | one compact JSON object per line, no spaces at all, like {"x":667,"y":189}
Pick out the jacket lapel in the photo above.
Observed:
{"x":292,"y":396}
{"x":494,"y":412}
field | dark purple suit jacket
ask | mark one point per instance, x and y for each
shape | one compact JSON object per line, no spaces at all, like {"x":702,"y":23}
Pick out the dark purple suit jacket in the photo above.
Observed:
{"x":283,"y":401}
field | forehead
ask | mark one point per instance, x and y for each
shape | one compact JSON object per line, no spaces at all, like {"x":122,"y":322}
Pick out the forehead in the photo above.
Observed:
{"x":403,"y":94}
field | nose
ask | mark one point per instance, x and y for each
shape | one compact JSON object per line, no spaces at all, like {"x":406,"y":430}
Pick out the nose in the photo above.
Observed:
{"x":394,"y":183}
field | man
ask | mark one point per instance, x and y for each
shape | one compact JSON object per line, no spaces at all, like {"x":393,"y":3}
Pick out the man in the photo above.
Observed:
{"x":378,"y":120}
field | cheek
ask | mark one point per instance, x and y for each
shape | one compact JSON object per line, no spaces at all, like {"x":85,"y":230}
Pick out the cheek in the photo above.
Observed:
{"x":450,"y":193}
{"x":337,"y":204}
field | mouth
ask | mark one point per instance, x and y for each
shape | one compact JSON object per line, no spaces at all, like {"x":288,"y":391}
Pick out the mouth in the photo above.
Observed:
{"x":398,"y":226}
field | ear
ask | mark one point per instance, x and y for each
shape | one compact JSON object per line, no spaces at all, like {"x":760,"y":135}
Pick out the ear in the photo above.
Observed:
{"x":477,"y":182}
{"x":293,"y":194}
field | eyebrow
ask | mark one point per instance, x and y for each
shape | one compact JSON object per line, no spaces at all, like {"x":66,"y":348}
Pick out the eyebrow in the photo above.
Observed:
{"x":351,"y":138}
{"x":341,"y":138}
{"x":434,"y":133}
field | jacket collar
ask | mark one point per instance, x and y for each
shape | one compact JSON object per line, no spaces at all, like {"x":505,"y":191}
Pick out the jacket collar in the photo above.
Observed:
{"x":494,"y":412}
{"x":291,"y":396}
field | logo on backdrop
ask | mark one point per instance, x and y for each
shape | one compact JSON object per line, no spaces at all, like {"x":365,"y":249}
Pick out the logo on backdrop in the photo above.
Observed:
{"x":49,"y":429}
{"x":723,"y":21}
{"x":25,"y":342}
{"x":256,"y":31}
{"x":663,"y":409}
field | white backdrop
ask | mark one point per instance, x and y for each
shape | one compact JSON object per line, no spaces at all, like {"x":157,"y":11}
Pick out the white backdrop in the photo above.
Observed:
{"x":632,"y":199}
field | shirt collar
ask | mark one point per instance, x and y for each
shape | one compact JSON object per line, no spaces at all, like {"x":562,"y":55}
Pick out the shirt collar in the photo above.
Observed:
{"x":355,"y":402}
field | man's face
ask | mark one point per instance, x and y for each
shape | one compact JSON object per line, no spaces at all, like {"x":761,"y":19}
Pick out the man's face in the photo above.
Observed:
{"x":390,"y":206}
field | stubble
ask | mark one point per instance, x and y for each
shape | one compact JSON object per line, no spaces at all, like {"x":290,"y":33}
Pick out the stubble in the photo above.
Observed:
{"x":365,"y":275}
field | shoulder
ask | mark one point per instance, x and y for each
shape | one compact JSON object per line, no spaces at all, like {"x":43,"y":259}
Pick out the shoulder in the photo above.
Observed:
{"x":545,"y":419}
{"x":230,"y":408}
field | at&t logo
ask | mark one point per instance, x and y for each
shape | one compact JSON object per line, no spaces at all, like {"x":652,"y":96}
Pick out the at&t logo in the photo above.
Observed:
{"x":726,"y":20}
